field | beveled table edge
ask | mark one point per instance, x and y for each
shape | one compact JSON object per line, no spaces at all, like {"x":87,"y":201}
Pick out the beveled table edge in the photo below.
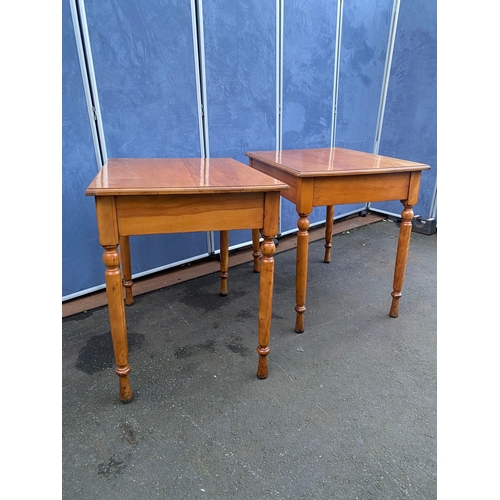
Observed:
{"x":274,"y":184}
{"x":414,"y":167}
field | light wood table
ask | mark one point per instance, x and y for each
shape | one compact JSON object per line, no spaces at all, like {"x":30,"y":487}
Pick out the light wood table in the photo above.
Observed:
{"x":137,"y":196}
{"x":334,"y":176}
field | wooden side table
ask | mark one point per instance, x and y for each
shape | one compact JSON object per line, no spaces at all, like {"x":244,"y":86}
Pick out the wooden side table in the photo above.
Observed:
{"x":136,"y":196}
{"x":333,"y":176}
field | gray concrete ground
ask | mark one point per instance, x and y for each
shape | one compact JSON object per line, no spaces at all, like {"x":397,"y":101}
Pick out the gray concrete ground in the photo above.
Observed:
{"x":348,"y":410}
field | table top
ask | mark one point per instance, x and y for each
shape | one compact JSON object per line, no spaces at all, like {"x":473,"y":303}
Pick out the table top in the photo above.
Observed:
{"x":327,"y":162}
{"x":139,"y":176}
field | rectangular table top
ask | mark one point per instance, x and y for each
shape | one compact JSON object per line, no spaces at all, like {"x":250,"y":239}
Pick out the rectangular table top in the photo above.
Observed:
{"x":327,"y":162}
{"x":151,"y":176}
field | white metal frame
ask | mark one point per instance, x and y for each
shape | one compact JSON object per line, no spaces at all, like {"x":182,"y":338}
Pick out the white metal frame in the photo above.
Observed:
{"x":92,"y":99}
{"x":387,"y":74}
{"x":336,"y":70}
{"x":201,"y":90}
{"x":280,"y":13}
{"x":385,"y":87}
{"x":88,"y":78}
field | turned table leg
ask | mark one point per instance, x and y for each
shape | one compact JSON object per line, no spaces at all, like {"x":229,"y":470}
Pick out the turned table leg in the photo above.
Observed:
{"x":126,"y":269}
{"x":328,"y":232}
{"x":224,"y":262}
{"x":116,"y":308}
{"x":401,"y":258}
{"x":265,"y":303}
{"x":256,"y":250}
{"x":301,"y":270}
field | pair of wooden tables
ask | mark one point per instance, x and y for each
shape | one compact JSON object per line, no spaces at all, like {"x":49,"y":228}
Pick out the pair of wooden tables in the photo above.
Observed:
{"x":136,"y":196}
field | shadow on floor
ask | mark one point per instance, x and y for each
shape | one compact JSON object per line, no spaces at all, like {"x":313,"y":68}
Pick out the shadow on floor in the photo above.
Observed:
{"x":348,"y":410}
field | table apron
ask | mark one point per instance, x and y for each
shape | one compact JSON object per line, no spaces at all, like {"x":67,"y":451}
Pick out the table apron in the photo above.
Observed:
{"x":157,"y":214}
{"x":361,"y":188}
{"x":287,"y":178}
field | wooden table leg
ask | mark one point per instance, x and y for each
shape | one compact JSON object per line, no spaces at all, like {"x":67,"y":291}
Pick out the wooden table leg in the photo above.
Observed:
{"x":116,"y":308}
{"x":256,"y":250}
{"x":265,"y":302}
{"x":126,"y":269}
{"x":401,"y":258}
{"x":301,"y":270}
{"x":328,"y":232}
{"x":224,"y":261}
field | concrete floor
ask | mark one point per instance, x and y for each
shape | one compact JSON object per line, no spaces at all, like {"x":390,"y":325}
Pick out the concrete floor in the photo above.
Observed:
{"x":348,"y":410}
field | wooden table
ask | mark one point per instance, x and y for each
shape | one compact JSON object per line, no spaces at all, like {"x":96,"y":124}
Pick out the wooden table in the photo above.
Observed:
{"x":136,"y":196}
{"x":334,"y":176}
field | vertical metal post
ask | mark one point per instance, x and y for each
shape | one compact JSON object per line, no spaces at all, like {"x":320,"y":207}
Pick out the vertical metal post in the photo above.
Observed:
{"x":280,"y":19}
{"x":201,"y":90}
{"x":280,"y":9}
{"x":387,"y":74}
{"x":385,"y":82}
{"x":336,"y":70}
{"x":88,"y":78}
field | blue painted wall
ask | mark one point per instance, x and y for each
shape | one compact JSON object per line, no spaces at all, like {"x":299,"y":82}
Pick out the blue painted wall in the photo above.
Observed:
{"x":365,"y":34}
{"x":310,"y":30}
{"x":145,"y":74}
{"x":143,"y":53}
{"x":240,"y":57}
{"x":81,"y":253}
{"x":410,"y":128}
